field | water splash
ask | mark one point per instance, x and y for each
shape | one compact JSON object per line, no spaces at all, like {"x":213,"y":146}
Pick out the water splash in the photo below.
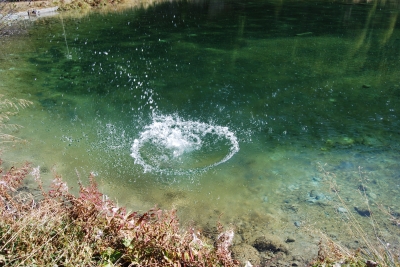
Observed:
{"x":172,"y":146}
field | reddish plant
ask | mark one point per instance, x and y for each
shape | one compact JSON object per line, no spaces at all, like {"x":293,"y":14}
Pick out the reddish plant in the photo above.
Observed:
{"x":91,"y":230}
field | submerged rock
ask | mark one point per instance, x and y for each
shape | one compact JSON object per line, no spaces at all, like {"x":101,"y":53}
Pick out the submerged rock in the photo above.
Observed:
{"x":345,"y":165}
{"x":346,"y":141}
{"x":290,"y":240}
{"x":245,"y":253}
{"x":270,"y":243}
{"x":362,"y":188}
{"x":293,"y":187}
{"x":318,"y":197}
{"x":372,"y":141}
{"x":342,"y":210}
{"x":316,"y":179}
{"x":365,"y":212}
{"x":371,"y":195}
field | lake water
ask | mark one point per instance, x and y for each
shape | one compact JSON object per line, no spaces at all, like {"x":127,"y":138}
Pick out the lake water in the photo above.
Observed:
{"x":224,"y":110}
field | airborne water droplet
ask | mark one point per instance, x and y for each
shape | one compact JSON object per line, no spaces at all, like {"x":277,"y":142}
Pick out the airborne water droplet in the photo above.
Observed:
{"x":176,"y":147}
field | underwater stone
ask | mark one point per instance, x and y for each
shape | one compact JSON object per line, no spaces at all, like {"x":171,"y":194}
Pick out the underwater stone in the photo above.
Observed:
{"x":293,"y":187}
{"x":342,"y":210}
{"x":371,"y":141}
{"x":316,"y":179}
{"x":329,"y":143}
{"x":346,"y":141}
{"x":362,"y":188}
{"x":345,"y":165}
{"x":363,"y":211}
{"x":290,"y":240}
{"x":270,"y":243}
{"x":245,"y":253}
{"x":371,"y":195}
{"x":317,"y":195}
{"x":311,"y":200}
{"x":313,"y":193}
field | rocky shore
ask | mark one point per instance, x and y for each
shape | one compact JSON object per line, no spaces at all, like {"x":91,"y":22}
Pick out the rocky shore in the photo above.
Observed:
{"x":30,"y":14}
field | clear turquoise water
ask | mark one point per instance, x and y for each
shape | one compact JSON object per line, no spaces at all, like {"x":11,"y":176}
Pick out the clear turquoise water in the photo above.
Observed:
{"x":269,"y":90}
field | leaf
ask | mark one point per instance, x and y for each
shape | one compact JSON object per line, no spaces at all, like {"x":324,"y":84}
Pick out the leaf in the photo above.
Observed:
{"x":186,"y":256}
{"x":107,"y":264}
{"x":127,"y":242}
{"x":111,"y":255}
{"x":141,"y":219}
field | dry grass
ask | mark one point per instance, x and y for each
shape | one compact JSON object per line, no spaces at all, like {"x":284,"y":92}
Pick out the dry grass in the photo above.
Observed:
{"x":60,"y":229}
{"x":9,"y":108}
{"x":373,"y":251}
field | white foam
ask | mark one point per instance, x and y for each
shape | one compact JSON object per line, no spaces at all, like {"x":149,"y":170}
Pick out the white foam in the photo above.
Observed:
{"x":175,"y":139}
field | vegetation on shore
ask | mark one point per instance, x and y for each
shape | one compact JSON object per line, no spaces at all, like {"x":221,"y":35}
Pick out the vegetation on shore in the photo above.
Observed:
{"x":86,"y":4}
{"x":57,"y":228}
{"x":62,"y":229}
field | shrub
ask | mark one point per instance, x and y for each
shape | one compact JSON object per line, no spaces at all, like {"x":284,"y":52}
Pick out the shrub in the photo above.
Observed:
{"x":57,"y":228}
{"x":85,"y":4}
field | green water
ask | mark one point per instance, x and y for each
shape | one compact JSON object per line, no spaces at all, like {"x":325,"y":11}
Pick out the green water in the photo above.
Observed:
{"x":295,"y":84}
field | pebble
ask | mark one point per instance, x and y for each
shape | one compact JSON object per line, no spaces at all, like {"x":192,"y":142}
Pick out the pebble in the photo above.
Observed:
{"x":346,"y":141}
{"x":297,"y":223}
{"x":362,"y":188}
{"x":290,"y":240}
{"x":313,"y":193}
{"x":316,"y":179}
{"x":346,"y":165}
{"x":311,"y":200}
{"x":371,"y":195}
{"x":293,"y":187}
{"x":317,"y":195}
{"x":342,"y":210}
{"x":363,"y":211}
{"x":371,"y":141}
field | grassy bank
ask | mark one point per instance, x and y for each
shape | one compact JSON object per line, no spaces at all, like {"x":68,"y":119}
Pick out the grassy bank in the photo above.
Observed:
{"x":57,"y":228}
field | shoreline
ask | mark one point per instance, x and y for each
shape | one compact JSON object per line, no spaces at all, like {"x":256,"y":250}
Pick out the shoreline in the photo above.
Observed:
{"x":14,"y":16}
{"x":30,"y":14}
{"x":13,"y":13}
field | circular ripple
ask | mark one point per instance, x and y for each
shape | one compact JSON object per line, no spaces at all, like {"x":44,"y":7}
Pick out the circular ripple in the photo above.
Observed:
{"x":172,"y":146}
